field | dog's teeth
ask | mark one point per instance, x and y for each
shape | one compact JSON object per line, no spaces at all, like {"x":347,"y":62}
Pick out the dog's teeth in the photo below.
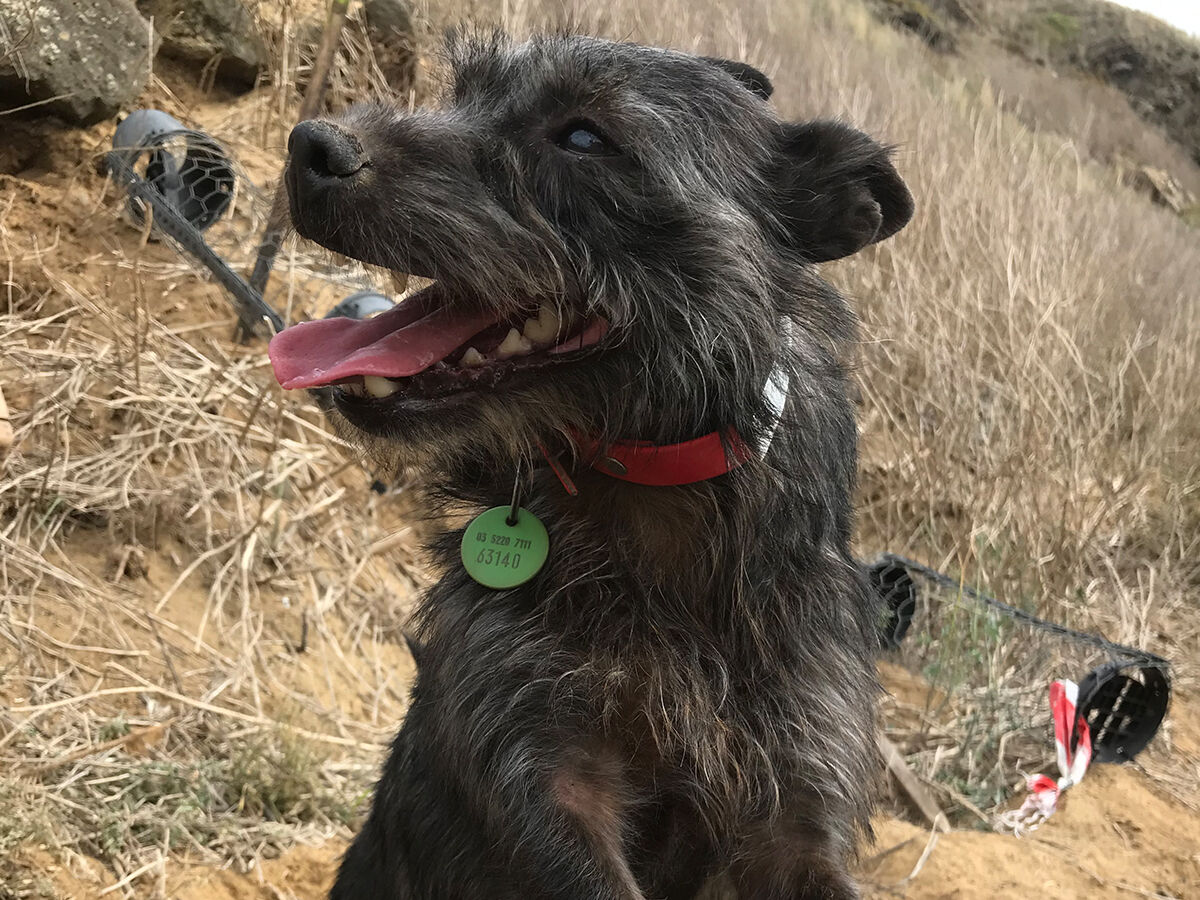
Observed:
{"x":379,"y":387}
{"x":549,"y":320}
{"x":515,"y":344}
{"x":544,"y":328}
{"x":473,"y":358}
{"x":399,"y":281}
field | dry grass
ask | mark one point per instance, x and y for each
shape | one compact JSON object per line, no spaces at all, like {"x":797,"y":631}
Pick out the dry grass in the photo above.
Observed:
{"x":162,"y":507}
{"x":197,"y":645}
{"x":170,"y":522}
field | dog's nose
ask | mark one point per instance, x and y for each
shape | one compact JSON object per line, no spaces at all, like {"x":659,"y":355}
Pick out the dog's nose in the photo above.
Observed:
{"x":326,"y":150}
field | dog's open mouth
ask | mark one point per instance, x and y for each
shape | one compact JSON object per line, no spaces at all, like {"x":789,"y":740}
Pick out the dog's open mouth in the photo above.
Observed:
{"x":426,"y":349}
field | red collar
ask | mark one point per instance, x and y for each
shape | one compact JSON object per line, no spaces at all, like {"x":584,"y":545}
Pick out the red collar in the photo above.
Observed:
{"x":663,"y":465}
{"x":667,"y":465}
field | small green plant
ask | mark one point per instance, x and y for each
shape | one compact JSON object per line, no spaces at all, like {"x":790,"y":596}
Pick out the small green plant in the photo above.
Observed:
{"x":1059,"y":28}
{"x":114,"y":728}
{"x":20,"y":819}
{"x":281,"y":781}
{"x":17,"y":882}
{"x":24,"y":819}
{"x":274,"y":780}
{"x":961,"y":650}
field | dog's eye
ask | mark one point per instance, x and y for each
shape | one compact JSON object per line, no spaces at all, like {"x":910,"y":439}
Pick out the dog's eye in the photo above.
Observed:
{"x":585,"y":139}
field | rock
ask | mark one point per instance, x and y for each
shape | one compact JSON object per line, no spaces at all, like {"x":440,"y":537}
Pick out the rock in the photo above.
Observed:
{"x":1116,"y":58}
{"x":1162,"y":187}
{"x":80,"y":61}
{"x":393,"y":41}
{"x":389,"y":17}
{"x":921,"y":19}
{"x":211,"y":32}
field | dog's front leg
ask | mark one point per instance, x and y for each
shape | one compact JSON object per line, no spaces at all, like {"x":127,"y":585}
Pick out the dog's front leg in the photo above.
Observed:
{"x":537,"y":818}
{"x":569,"y":822}
{"x":778,"y":862}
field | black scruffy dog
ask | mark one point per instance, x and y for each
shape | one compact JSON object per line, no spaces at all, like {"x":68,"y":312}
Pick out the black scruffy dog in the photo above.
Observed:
{"x":621,"y":241}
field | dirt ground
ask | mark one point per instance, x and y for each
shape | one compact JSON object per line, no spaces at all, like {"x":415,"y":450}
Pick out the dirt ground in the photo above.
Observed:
{"x":1131,"y":831}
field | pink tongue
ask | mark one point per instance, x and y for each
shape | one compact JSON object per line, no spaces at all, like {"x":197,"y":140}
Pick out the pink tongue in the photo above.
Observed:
{"x":396,"y":344}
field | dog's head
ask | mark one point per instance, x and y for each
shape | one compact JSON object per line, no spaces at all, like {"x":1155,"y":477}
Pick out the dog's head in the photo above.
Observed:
{"x":616,"y":235}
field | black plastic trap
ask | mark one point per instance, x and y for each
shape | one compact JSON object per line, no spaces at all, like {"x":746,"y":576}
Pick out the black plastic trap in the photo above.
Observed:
{"x":203,"y":204}
{"x":899,"y":593}
{"x":361,"y":305}
{"x":187,"y":167}
{"x":1124,"y":691}
{"x":1123,"y":703}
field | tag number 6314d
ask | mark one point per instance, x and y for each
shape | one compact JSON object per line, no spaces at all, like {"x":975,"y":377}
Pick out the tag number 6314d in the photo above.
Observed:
{"x":503,"y":559}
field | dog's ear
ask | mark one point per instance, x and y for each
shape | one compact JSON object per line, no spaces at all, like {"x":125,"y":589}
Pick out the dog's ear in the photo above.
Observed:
{"x":837,"y":190}
{"x":755,"y":81}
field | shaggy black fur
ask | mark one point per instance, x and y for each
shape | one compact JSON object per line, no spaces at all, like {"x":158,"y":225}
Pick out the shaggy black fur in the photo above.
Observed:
{"x":687,"y":688}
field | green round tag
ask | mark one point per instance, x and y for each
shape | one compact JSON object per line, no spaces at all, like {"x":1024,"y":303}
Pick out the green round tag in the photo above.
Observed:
{"x":499,"y":555}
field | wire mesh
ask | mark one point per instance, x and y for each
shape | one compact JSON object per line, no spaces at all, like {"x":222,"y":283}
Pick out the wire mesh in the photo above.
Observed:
{"x":968,"y":699}
{"x":185,"y":187}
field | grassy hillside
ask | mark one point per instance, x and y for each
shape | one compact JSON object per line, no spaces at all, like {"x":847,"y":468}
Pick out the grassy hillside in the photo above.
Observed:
{"x":1122,"y":85}
{"x":1153,"y":64}
{"x":200,"y":598}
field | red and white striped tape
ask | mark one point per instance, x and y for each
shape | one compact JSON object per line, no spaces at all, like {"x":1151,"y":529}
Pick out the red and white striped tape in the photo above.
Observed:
{"x":1073,"y":748}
